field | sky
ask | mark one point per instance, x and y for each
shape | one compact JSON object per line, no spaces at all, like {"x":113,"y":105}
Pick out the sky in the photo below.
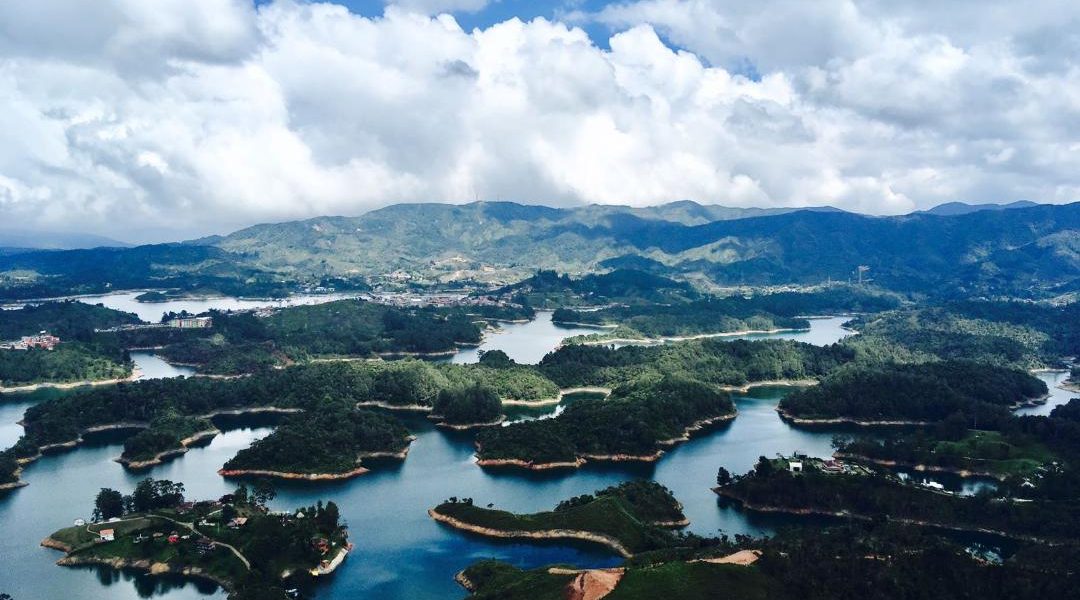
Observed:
{"x":164,"y":120}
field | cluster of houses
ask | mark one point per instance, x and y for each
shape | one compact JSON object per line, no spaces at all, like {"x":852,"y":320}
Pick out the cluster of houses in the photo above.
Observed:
{"x":41,"y":341}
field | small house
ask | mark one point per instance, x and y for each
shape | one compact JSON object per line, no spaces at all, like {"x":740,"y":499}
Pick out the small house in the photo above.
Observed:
{"x":795,"y":466}
{"x":238,"y":522}
{"x":79,"y":523}
{"x":107,"y":535}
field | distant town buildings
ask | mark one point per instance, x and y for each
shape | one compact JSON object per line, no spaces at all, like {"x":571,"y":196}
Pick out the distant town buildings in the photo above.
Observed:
{"x":43,"y":341}
{"x":190,"y":322}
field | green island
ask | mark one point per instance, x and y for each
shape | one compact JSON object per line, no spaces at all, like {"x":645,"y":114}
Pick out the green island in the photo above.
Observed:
{"x":875,"y":560}
{"x":549,"y":289}
{"x":722,"y":315}
{"x":955,"y":449}
{"x":912,"y":393}
{"x":167,"y":435}
{"x":77,"y":356}
{"x":627,"y":518}
{"x":467,"y":407}
{"x":327,"y":441}
{"x":245,"y":342}
{"x":633,"y":423}
{"x":234,"y":541}
{"x":814,"y":490}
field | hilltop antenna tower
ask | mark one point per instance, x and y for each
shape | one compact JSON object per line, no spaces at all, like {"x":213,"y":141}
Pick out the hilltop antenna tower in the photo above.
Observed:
{"x":860,"y":270}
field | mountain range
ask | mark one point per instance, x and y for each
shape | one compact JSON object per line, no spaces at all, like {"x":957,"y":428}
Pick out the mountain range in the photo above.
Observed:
{"x":1025,"y":250}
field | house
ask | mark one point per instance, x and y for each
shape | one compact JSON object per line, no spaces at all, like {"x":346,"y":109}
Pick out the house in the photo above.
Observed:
{"x":190,"y":322}
{"x":237,"y":523}
{"x":42,"y":340}
{"x":174,"y":538}
{"x":795,"y":466}
{"x":107,"y":535}
{"x":79,"y":523}
{"x":204,"y":546}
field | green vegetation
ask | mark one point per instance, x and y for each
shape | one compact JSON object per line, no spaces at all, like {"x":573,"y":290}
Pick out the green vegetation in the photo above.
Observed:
{"x":165,"y":434}
{"x":628,"y":513}
{"x":548,"y":288}
{"x":710,"y":360}
{"x":770,"y":486}
{"x":325,"y":439}
{"x":633,"y":421}
{"x":66,"y":363}
{"x":243,"y":342}
{"x":467,"y":405}
{"x":760,"y":312}
{"x":67,"y":319}
{"x":958,"y":332}
{"x":989,"y":452}
{"x":918,"y":392}
{"x":851,"y":561}
{"x":233,"y":541}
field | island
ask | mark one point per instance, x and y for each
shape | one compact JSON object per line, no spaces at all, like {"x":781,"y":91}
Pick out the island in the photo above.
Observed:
{"x":326,"y":442}
{"x":234,"y":541}
{"x":169,"y":435}
{"x":892,"y":394}
{"x":467,"y":407}
{"x":55,"y":344}
{"x":634,"y":423}
{"x":876,"y":560}
{"x":627,"y":518}
{"x":803,"y":486}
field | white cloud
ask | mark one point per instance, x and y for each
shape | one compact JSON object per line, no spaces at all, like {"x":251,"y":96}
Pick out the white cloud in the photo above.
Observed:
{"x":134,"y":117}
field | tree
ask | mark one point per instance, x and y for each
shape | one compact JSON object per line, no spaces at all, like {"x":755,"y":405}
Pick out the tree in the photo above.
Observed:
{"x":108,"y":504}
{"x":263,"y":493}
{"x":723,"y":476}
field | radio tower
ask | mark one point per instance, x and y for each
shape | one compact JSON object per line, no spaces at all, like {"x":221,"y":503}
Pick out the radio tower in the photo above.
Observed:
{"x":861,"y":269}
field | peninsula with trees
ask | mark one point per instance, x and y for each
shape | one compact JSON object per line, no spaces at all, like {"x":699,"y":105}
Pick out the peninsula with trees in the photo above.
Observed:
{"x":234,"y":541}
{"x":631,"y":517}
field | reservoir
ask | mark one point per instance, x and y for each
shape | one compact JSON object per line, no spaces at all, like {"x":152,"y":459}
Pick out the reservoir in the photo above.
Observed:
{"x":400,"y":554}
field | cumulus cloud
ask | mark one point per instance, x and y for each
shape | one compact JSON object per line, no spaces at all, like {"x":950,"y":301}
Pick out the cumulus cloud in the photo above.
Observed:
{"x":172,"y":119}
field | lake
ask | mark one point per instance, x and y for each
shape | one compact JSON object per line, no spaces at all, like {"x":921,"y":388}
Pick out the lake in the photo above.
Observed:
{"x":152,"y":311}
{"x":400,"y":552}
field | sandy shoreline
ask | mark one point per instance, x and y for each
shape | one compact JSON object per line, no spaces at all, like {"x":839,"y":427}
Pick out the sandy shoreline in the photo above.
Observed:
{"x":136,"y":373}
{"x":549,"y":534}
{"x":919,"y":467}
{"x":159,"y":458}
{"x":583,"y":458}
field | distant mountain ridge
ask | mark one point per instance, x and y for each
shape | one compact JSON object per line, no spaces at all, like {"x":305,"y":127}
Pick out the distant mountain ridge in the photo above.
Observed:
{"x":1021,"y":250}
{"x":950,"y":209}
{"x":21,"y":239}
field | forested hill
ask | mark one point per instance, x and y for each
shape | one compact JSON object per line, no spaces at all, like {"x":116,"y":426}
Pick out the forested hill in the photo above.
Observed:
{"x":1020,"y":249}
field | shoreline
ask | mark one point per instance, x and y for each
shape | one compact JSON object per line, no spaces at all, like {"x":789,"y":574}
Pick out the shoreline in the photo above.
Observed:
{"x":554,"y":400}
{"x":388,"y":406}
{"x":136,"y":373}
{"x":581,"y":459}
{"x":746,"y":387}
{"x":145,"y":565}
{"x":466,"y":426}
{"x":884,"y":462}
{"x":667,"y":339}
{"x":844,"y":514}
{"x":547,"y":534}
{"x":159,"y":458}
{"x":786,"y":416}
{"x":356,"y":472}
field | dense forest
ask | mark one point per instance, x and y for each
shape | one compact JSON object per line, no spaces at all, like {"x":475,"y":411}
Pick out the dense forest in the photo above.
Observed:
{"x":327,"y":439}
{"x":711,"y":360}
{"x":165,"y":433}
{"x":67,"y":319}
{"x":243,"y":342}
{"x":915,"y":392}
{"x":467,"y":405}
{"x":632,"y":421}
{"x":771,"y":486}
{"x":548,"y":288}
{"x":67,"y":362}
{"x":759,"y":312}
{"x":628,"y":512}
{"x":863,"y":560}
